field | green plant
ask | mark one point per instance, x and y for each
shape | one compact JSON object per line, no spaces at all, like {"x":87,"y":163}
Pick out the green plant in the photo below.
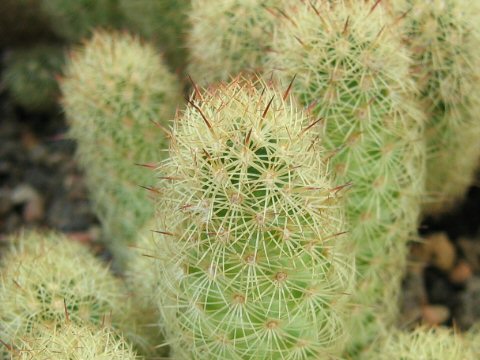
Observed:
{"x":46,"y":279}
{"x":117,"y":96}
{"x":350,"y":69}
{"x":253,"y":262}
{"x":29,"y":76}
{"x":73,"y":342}
{"x":445,"y":41}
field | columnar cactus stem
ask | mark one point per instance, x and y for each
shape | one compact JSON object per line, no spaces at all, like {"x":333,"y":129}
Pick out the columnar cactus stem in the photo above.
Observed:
{"x":351,"y":70}
{"x":445,"y":40}
{"x":254,"y":262}
{"x":118,"y":96}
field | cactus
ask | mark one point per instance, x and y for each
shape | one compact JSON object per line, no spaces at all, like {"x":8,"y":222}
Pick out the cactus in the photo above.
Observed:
{"x":445,"y":41}
{"x":72,"y":342}
{"x":164,"y":22}
{"x":115,"y":90}
{"x":422,"y":343}
{"x":73,"y":20}
{"x":30,"y":76}
{"x":228,"y":36}
{"x":47,"y":279}
{"x":253,"y":263}
{"x":350,"y":69}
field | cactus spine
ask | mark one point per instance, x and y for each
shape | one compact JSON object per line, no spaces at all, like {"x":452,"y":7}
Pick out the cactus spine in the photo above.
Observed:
{"x":253,"y":263}
{"x":445,"y":40}
{"x":115,"y":89}
{"x":352,"y":72}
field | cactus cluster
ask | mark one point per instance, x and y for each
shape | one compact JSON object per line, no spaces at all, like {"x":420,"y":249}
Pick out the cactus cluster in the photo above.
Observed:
{"x":252,"y":256}
{"x":268,"y":232}
{"x":118,"y":96}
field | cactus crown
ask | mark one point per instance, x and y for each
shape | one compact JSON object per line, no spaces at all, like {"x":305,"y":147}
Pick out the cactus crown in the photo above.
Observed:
{"x":253,"y":261}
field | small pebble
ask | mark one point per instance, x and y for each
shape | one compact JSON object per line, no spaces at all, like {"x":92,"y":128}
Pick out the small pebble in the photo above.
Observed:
{"x":471,"y":250}
{"x":461,"y":273}
{"x":34,"y":207}
{"x":435,"y":314}
{"x":441,"y":251}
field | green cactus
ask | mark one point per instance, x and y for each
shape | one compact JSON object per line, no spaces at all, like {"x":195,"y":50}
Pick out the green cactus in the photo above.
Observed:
{"x":351,"y":70}
{"x":46,"y":279}
{"x":423,"y":344}
{"x":164,"y":22}
{"x":115,"y":90}
{"x":30,"y":74}
{"x":445,"y":40}
{"x":229,"y":36}
{"x":253,"y":263}
{"x":73,"y":342}
{"x":73,"y":20}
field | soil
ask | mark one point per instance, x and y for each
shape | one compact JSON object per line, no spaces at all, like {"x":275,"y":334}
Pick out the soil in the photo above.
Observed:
{"x":42,"y":186}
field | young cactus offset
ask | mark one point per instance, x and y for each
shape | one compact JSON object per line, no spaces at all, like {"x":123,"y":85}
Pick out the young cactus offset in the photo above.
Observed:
{"x":445,"y":40}
{"x":228,"y":36}
{"x":348,"y":66}
{"x":117,"y":95}
{"x":253,"y":260}
{"x":30,"y":74}
{"x":46,"y":279}
{"x":164,"y":22}
{"x":424,"y":344}
{"x":73,"y":342}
